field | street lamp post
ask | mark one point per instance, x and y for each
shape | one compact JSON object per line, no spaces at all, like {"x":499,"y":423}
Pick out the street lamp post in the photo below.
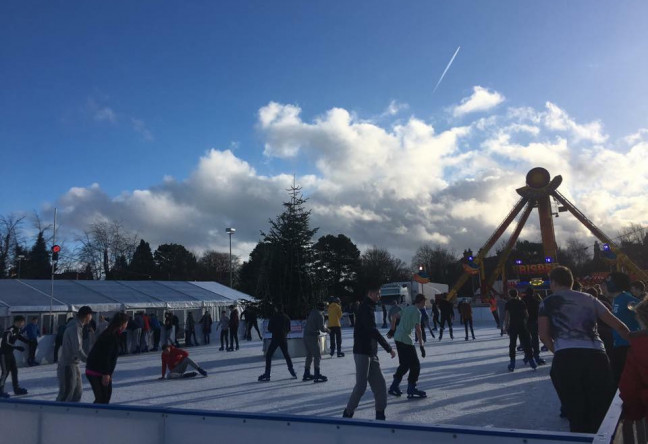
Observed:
{"x":20,"y":259}
{"x":230,"y":231}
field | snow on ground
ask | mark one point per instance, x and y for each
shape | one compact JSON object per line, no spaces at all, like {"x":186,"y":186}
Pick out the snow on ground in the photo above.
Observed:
{"x":467,"y":383}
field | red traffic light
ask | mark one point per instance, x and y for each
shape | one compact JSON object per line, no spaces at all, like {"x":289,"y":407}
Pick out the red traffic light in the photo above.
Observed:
{"x":56,"y":249}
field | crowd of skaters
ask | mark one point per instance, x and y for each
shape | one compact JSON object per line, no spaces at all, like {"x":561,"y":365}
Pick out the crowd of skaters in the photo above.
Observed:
{"x":598,"y":335}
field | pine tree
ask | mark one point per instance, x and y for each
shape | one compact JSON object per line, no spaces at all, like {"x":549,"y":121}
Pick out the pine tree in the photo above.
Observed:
{"x":37,"y":265}
{"x":142,"y":265}
{"x":286,"y":277}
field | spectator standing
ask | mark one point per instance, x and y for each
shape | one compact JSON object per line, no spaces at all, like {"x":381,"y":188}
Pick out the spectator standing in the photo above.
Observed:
{"x":103,"y":359}
{"x":467,"y":315}
{"x":190,"y":330}
{"x":515,"y":321}
{"x":137,"y":332}
{"x":580,"y":370}
{"x":32,"y":333}
{"x":250,"y":316}
{"x":314,"y":326}
{"x":206,"y":326}
{"x":146,"y":333}
{"x":447,"y":314}
{"x":532,"y":302}
{"x":233,"y":327}
{"x":58,"y":340}
{"x":157,"y":331}
{"x":224,"y":328}
{"x":68,"y":371}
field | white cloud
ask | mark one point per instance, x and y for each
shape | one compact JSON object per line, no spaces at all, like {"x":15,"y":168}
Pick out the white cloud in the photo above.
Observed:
{"x":391,"y":185}
{"x":481,"y":100}
{"x":105,"y":114}
{"x":140,"y":127}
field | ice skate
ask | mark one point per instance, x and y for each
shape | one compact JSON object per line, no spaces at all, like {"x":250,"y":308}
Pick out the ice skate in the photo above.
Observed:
{"x":319,"y":377}
{"x":4,"y":395}
{"x":264,"y":377}
{"x":539,"y":360}
{"x":394,"y":389}
{"x":190,"y":375}
{"x":346,"y":414}
{"x":511,"y":366}
{"x":202,"y":371}
{"x":380,"y":415}
{"x":340,"y":355}
{"x":413,"y":392}
{"x":20,"y":391}
{"x":292,"y":373}
{"x":307,"y":376}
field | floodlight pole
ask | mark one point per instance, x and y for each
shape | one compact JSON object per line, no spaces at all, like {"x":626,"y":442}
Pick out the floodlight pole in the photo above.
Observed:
{"x":52,"y":288}
{"x":230,"y":231}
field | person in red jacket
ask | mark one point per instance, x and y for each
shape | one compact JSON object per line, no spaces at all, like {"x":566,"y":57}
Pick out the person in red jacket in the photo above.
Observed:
{"x":177,"y":360}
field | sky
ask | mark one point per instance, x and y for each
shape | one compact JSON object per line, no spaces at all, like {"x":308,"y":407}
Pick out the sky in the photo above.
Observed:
{"x":180,"y":119}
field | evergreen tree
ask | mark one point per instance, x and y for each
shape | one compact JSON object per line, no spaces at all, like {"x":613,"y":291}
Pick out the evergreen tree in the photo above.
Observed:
{"x":119,"y":271}
{"x":337,"y":261}
{"x":287,"y":274}
{"x":37,"y":265}
{"x":142,"y":265}
{"x":174,"y":262}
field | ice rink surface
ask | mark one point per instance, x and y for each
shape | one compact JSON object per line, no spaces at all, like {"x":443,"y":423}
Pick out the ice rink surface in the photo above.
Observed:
{"x":467,"y":383}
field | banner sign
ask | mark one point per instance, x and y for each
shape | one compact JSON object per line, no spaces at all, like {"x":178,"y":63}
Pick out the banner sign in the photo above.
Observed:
{"x":537,"y":269}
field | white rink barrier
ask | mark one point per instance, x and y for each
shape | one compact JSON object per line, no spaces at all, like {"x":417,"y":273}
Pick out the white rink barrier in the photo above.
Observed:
{"x":46,"y":422}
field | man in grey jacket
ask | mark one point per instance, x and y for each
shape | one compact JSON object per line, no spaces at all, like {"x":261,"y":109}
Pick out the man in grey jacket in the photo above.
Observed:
{"x":68,"y":371}
{"x":314,"y":326}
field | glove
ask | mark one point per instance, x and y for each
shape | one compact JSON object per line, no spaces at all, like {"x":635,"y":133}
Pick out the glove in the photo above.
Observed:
{"x":422,"y":351}
{"x":19,"y":348}
{"x":390,"y":334}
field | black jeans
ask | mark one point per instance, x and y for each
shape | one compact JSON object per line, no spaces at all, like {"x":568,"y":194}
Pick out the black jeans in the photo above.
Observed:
{"x":583,"y":381}
{"x":336,"y":339}
{"x":407,"y":361}
{"x":101,"y":392}
{"x":249,"y":325}
{"x":33,"y":344}
{"x":468,"y":322}
{"x":274,"y":344}
{"x":532,"y":327}
{"x":223,"y":340}
{"x":233,"y":337}
{"x":619,"y":355}
{"x":8,"y":365}
{"x":520,"y":331}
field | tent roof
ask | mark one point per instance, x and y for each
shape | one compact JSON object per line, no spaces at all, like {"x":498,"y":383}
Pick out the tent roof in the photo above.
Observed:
{"x":69,"y":295}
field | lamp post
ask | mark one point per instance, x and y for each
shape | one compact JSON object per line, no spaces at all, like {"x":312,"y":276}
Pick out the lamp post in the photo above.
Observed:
{"x":20,"y":259}
{"x":230,"y":231}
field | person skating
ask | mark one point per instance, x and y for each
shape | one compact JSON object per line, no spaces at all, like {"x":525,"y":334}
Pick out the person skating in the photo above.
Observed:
{"x":314,"y":326}
{"x":447,"y":314}
{"x":335,"y":326}
{"x":425,"y":323}
{"x":515,"y":325}
{"x":102,"y":359}
{"x":365,"y":354}
{"x":68,"y":371}
{"x":177,"y":360}
{"x":467,"y":315}
{"x":410,"y":321}
{"x":279,"y":326}
{"x":532,"y":301}
{"x":190,"y":331}
{"x":250,"y":316}
{"x":7,"y":358}
{"x":580,"y":369}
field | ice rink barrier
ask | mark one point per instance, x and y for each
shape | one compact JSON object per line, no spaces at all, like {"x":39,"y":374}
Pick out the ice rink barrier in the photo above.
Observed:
{"x":46,"y":422}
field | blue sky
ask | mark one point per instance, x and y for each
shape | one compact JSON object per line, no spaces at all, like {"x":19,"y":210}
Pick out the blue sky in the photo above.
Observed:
{"x":123,"y":94}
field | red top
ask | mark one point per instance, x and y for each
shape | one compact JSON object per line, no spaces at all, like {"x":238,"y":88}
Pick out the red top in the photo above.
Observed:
{"x":173,"y":358}
{"x":633,"y":386}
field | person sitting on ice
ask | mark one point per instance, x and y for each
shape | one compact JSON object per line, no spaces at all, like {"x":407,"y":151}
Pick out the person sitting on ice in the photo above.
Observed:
{"x":177,"y":360}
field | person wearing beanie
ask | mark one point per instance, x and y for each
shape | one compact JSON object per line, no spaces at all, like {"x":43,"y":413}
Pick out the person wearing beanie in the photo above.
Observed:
{"x":335,"y":326}
{"x":314,"y":326}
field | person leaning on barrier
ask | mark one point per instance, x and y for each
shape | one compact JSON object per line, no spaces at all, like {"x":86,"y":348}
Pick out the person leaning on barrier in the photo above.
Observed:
{"x":580,"y":370}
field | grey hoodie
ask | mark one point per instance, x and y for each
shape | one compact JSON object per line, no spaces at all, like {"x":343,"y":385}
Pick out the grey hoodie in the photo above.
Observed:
{"x":314,"y":323}
{"x":72,"y":346}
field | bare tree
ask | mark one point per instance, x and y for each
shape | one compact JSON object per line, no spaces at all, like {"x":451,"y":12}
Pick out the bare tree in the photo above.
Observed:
{"x":8,"y":241}
{"x":633,"y":234}
{"x":103,"y":243}
{"x":435,"y":260}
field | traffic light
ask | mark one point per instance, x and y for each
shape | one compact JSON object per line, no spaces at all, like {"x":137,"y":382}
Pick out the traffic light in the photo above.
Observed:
{"x":56,"y":249}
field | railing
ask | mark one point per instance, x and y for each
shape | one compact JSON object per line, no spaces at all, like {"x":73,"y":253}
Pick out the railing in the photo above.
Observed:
{"x":46,"y":422}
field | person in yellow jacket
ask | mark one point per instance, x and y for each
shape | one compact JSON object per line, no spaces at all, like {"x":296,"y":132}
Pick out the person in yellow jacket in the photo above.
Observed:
{"x":335,"y":327}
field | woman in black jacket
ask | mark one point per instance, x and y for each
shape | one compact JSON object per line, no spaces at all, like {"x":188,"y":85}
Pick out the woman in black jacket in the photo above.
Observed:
{"x":103,"y":359}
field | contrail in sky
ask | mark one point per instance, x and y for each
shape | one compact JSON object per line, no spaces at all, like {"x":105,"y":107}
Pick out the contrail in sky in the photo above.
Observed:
{"x":447,"y":68}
